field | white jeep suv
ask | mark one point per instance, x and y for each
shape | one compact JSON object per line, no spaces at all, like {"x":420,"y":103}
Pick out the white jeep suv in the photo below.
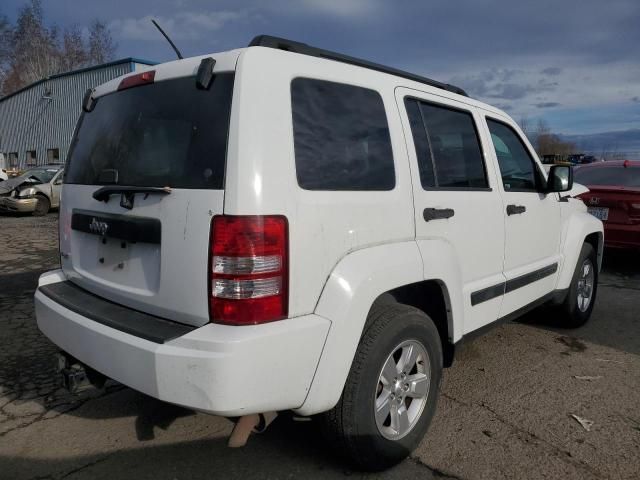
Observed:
{"x":281,"y":227}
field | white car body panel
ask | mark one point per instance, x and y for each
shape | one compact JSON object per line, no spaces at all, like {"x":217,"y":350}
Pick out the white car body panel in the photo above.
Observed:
{"x":347,"y":297}
{"x":323,"y":227}
{"x":479,"y":261}
{"x":216,"y":369}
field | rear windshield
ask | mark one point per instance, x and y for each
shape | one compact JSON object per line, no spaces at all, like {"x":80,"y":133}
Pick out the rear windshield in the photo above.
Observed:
{"x":165,"y":134}
{"x":611,"y":176}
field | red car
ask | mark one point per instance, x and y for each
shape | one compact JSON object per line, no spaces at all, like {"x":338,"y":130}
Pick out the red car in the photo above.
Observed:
{"x":614,"y":198}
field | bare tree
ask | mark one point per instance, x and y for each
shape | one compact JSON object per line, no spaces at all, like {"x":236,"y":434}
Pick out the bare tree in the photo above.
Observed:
{"x":31,"y":50}
{"x":6,"y":33}
{"x":102,"y":48}
{"x":548,"y":143}
{"x":74,"y":51}
{"x":34,"y":45}
{"x":542,"y":128}
{"x":525,"y":125}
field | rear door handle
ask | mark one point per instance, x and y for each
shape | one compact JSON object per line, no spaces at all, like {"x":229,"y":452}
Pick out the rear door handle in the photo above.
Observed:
{"x":516,"y":209}
{"x":437,"y":213}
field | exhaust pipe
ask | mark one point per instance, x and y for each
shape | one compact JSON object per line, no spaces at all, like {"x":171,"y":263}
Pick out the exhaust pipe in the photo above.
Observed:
{"x":257,"y":423}
{"x":76,"y":376}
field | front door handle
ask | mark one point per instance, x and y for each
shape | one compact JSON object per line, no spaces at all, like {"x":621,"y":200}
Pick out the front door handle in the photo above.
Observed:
{"x":516,"y":209}
{"x":437,"y":213}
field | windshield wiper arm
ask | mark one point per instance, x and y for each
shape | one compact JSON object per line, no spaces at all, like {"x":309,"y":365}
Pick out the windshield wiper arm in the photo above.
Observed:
{"x":103,"y":194}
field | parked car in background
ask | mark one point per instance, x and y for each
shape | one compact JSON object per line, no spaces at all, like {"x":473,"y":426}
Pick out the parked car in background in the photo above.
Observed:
{"x":36,"y":191}
{"x":580,"y":159}
{"x":3,"y":171}
{"x":614,"y":198}
{"x":554,"y":159}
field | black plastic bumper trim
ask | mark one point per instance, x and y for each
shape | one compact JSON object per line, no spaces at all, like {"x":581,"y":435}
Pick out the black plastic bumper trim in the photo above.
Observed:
{"x":118,"y":317}
{"x":487,"y":294}
{"x":531,"y":277}
{"x":503,"y":288}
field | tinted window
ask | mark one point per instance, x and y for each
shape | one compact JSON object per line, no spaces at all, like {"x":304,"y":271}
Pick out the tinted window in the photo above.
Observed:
{"x":517,"y":168}
{"x":612,"y":176}
{"x":341,"y":137}
{"x":447,"y":146}
{"x":165,"y":134}
{"x":419,"y":133}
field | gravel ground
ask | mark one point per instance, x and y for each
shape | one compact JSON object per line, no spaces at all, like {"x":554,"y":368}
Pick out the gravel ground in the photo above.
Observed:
{"x":504,"y":411}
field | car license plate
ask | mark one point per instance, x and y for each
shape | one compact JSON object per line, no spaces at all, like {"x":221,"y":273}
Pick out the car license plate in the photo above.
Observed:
{"x":601,"y":213}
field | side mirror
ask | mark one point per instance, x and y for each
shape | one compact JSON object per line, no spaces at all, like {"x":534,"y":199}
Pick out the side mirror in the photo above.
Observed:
{"x":560,"y":178}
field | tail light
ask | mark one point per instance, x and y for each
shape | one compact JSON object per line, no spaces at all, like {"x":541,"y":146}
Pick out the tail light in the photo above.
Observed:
{"x":143,"y":78}
{"x":248,"y":269}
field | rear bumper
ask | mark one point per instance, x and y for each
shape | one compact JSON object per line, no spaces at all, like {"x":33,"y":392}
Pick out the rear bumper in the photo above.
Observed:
{"x":18,"y":205}
{"x":219,"y":369}
{"x":621,"y":236}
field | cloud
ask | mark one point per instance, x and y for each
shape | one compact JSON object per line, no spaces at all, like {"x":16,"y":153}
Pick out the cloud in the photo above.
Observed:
{"x":504,"y":84}
{"x":510,"y":91}
{"x":551,"y":71}
{"x":183,"y":25}
{"x":533,"y":93}
{"x":340,"y":8}
{"x":547,"y":104}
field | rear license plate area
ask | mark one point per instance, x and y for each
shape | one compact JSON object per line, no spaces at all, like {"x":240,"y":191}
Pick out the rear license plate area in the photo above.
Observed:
{"x":601,"y":213}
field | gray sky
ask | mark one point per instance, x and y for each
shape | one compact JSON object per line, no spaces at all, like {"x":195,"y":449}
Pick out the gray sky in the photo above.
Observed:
{"x":574,"y":63}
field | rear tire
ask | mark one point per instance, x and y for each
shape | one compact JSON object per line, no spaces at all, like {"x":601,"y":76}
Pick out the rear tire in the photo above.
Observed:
{"x":42,"y":207}
{"x":376,"y":423}
{"x":578,"y":305}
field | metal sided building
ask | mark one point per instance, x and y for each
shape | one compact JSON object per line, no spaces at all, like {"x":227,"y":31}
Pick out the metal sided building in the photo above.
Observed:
{"x":37,"y":121}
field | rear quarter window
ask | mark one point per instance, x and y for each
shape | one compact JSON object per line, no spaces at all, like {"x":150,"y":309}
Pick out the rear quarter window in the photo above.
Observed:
{"x":341,"y":137}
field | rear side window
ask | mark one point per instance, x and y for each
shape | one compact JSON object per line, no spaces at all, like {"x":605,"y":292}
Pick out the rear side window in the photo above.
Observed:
{"x":516,"y":165}
{"x":341,"y":137}
{"x":447,"y":147}
{"x":164,"y":134}
{"x":609,"y":176}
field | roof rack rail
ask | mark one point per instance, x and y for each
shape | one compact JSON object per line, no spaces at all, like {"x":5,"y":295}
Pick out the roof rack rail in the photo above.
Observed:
{"x":302,"y":48}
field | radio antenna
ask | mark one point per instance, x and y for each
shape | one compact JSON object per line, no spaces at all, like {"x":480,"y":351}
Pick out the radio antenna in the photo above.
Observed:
{"x":173,"y":45}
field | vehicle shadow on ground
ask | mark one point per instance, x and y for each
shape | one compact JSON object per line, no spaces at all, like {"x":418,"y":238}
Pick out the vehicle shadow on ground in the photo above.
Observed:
{"x":288,"y":449}
{"x":621,"y":263}
{"x":614,"y":314}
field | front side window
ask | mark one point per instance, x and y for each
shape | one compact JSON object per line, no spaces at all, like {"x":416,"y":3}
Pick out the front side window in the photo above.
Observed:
{"x":517,"y":168}
{"x":341,"y":137}
{"x":447,"y":147}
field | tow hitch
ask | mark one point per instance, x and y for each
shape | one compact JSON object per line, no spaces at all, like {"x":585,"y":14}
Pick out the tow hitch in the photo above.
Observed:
{"x":76,"y":376}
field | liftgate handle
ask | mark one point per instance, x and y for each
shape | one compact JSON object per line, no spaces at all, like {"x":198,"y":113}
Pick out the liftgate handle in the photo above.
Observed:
{"x":437,"y":213}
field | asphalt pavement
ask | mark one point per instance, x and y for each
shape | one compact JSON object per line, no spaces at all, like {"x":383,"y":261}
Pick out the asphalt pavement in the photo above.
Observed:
{"x":524,"y":401}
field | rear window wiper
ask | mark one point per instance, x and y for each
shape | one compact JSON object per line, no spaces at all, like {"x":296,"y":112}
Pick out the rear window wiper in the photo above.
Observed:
{"x":127,"y":193}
